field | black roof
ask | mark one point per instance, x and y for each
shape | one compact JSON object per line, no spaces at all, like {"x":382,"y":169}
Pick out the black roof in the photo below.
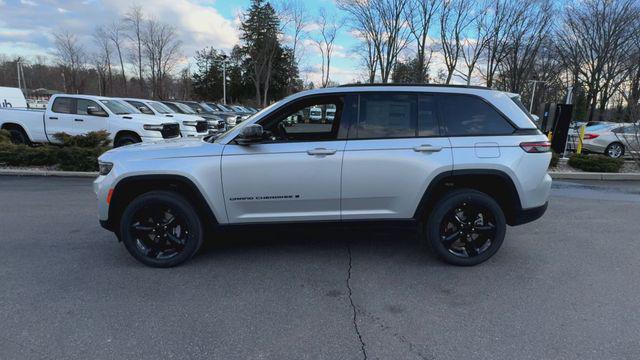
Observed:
{"x":430,"y":85}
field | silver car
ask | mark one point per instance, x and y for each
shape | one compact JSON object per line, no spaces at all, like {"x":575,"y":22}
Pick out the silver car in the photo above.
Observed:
{"x":610,"y":139}
{"x":458,"y":164}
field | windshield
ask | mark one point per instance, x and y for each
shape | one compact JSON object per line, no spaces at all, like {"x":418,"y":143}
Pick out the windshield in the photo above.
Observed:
{"x":224,"y":108}
{"x":184,"y":108}
{"x":117,"y":107}
{"x":214,"y":107}
{"x":159,"y":107}
{"x":207,"y":108}
{"x":198,"y":108}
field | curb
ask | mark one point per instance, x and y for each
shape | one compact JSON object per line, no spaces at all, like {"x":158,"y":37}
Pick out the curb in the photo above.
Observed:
{"x":594,"y":176}
{"x":56,"y":173}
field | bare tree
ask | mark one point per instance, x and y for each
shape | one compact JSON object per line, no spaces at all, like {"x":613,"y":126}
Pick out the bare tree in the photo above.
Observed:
{"x":294,"y":15}
{"x":503,"y":16}
{"x":162,"y":49}
{"x":382,"y":24}
{"x":524,"y":40}
{"x":102,"y":59}
{"x":71,"y":57}
{"x":419,"y":14}
{"x":599,"y":34}
{"x":134,"y":20}
{"x":325,"y":41}
{"x":455,"y":17}
{"x":474,"y":41}
{"x":115,"y":32}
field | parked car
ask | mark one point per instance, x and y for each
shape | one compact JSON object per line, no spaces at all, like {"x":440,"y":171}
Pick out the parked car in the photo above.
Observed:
{"x":231,"y":117}
{"x":80,"y":114}
{"x":190,"y":126}
{"x":389,"y":155}
{"x":12,"y":98}
{"x":610,"y":139}
{"x":217,"y":123}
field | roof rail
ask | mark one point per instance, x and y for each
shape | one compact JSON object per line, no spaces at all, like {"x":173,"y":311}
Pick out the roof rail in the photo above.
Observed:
{"x":429,"y":85}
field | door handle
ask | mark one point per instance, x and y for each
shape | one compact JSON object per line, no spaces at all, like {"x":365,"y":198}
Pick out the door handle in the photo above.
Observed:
{"x":53,"y":118}
{"x":78,"y":120}
{"x":321,"y":151}
{"x":427,"y":148}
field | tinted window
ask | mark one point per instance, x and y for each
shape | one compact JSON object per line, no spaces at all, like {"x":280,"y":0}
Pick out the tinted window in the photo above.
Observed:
{"x":384,"y":115}
{"x":427,"y":116}
{"x":470,"y":115}
{"x":63,"y":105}
{"x":83,"y":105}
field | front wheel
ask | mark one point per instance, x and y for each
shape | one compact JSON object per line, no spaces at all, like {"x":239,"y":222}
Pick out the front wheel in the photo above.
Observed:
{"x":161,"y":229}
{"x":466,"y":227}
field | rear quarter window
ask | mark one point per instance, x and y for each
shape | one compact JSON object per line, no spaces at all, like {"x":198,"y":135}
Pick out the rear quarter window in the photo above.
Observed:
{"x":467,"y":115}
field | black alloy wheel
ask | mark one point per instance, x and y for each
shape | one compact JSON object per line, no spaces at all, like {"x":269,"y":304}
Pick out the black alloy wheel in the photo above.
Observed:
{"x":468,"y":230}
{"x":466,"y":227}
{"x":161,"y":229}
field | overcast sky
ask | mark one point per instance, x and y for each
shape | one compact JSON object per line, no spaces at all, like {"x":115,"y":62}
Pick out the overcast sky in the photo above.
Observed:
{"x":26,"y":27}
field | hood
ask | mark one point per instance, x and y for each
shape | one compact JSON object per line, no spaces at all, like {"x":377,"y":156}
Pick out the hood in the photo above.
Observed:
{"x":173,"y":148}
{"x":147,"y":119}
{"x":182,"y":117}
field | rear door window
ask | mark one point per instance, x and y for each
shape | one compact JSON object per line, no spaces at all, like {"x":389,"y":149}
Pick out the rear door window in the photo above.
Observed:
{"x":387,"y":115}
{"x":428,"y":116}
{"x":468,"y":115}
{"x":63,"y":105}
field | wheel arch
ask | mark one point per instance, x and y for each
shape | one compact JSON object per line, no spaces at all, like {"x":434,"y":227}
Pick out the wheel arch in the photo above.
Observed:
{"x":495,"y":183}
{"x":126,"y":132}
{"x":8,"y":125}
{"x":130,"y":187}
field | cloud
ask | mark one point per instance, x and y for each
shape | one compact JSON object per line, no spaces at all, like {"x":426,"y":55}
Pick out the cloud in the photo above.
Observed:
{"x":197,"y":23}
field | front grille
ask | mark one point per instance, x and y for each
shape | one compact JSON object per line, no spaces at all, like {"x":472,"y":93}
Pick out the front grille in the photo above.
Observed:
{"x":202,"y":126}
{"x":170,"y":131}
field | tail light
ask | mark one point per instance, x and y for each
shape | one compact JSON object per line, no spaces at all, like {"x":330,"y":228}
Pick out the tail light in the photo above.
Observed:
{"x":536,"y":146}
{"x":590,"y":136}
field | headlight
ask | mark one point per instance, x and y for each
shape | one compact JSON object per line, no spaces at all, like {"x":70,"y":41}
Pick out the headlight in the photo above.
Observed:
{"x":153,"y":127}
{"x":231,"y":120}
{"x":190,"y":123}
{"x":105,"y":167}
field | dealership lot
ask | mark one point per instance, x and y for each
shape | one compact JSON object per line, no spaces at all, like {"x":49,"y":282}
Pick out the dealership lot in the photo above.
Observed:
{"x":562,"y":287}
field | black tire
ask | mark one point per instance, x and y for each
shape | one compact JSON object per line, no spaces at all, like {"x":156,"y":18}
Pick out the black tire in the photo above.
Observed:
{"x":609,"y":150}
{"x":126,"y":139}
{"x":183,"y":222}
{"x":18,"y":135}
{"x":462,"y":241}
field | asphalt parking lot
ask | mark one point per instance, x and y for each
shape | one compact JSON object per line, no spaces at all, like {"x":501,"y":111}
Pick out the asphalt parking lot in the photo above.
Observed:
{"x":564,"y":287}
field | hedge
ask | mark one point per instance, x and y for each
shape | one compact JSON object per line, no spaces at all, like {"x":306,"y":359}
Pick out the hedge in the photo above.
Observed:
{"x":595,"y":163}
{"x":80,"y":154}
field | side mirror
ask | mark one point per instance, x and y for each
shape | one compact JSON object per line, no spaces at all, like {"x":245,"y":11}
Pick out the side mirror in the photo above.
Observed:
{"x":250,"y":134}
{"x":92,"y":110}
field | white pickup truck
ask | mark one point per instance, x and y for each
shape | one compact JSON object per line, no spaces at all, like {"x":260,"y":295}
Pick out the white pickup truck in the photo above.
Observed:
{"x":80,"y":114}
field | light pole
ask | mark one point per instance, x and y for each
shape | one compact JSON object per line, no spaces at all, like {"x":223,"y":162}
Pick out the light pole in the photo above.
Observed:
{"x":224,"y":79}
{"x":533,"y":93}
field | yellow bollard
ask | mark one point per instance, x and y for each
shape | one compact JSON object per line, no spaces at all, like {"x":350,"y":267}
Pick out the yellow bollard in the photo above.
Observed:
{"x":580,"y":139}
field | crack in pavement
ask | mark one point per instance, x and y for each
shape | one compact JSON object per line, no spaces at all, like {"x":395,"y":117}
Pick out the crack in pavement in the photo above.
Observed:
{"x":353,"y":306}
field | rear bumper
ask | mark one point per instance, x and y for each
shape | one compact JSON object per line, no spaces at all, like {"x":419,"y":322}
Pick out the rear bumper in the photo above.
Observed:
{"x":528,"y":215}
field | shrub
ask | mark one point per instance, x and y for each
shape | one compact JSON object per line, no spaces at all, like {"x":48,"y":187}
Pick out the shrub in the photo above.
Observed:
{"x":79,"y":156}
{"x":94,"y":139}
{"x":595,"y":163}
{"x":5,"y":137}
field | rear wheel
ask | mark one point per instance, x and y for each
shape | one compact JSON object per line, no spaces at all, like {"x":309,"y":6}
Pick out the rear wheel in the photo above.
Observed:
{"x":466,"y":227}
{"x":161,"y":229}
{"x":18,"y":135}
{"x":614,"y":150}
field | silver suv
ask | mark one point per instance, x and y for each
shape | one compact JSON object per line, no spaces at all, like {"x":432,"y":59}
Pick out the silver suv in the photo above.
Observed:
{"x":459,"y":163}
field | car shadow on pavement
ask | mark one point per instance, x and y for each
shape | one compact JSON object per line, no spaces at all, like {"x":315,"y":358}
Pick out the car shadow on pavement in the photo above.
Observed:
{"x":375,"y":241}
